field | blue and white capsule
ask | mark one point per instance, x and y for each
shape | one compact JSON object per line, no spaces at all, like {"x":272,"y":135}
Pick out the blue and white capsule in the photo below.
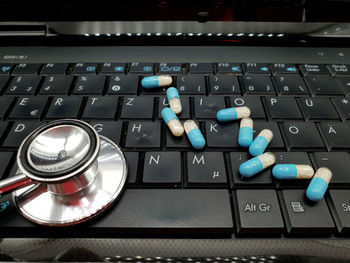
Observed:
{"x":231,"y":114}
{"x":173,"y":122}
{"x":319,"y":184}
{"x":245,"y":134}
{"x":153,"y":82}
{"x":292,"y":171}
{"x":261,"y":142}
{"x":257,"y":164}
{"x":174,"y":100}
{"x":194,"y":134}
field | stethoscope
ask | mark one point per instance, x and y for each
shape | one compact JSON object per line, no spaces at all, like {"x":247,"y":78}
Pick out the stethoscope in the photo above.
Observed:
{"x":67,"y":174}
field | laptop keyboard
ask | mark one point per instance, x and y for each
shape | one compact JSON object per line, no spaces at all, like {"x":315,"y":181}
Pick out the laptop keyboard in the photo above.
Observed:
{"x":171,"y":188}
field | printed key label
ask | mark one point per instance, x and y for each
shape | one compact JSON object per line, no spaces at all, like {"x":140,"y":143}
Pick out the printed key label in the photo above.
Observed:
{"x":4,"y":205}
{"x":297,"y":207}
{"x":345,"y":207}
{"x":252,"y":207}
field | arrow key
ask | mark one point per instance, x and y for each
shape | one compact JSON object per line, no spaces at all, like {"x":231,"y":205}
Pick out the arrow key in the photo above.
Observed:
{"x":28,"y":108}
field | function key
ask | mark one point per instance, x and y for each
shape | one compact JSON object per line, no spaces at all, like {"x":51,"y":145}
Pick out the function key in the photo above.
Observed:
{"x":320,"y":69}
{"x":84,"y":68}
{"x":141,"y":68}
{"x":24,"y":68}
{"x":229,"y":68}
{"x":340,"y":69}
{"x":113,"y":68}
{"x":54,"y":68}
{"x":256,"y":68}
{"x":284,"y":68}
{"x":170,"y":68}
{"x":6,"y":68}
{"x":204,"y":68}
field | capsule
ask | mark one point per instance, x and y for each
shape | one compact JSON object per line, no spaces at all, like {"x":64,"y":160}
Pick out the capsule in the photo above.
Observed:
{"x":261,"y":142}
{"x":174,"y":100}
{"x":292,"y":171}
{"x":194,"y":134}
{"x":156,"y":81}
{"x":232,"y":114}
{"x":245,"y":134}
{"x":173,"y":122}
{"x":319,"y":184}
{"x":257,"y":164}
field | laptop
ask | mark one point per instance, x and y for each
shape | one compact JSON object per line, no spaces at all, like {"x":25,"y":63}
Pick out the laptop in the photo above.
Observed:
{"x":288,"y":61}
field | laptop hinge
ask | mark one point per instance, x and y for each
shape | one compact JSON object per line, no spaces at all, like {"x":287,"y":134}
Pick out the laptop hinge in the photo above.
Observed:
{"x":23,"y":30}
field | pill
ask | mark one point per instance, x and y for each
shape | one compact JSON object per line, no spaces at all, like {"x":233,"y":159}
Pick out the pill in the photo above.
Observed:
{"x":261,"y":142}
{"x":293,"y":171}
{"x":257,"y":164}
{"x":156,"y":81}
{"x":174,"y":100}
{"x":194,"y":134}
{"x":319,"y":184}
{"x":245,"y":134}
{"x":231,"y":114}
{"x":173,"y":122}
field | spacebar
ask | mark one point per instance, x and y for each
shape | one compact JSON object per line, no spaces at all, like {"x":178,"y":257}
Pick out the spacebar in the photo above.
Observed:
{"x":159,"y":211}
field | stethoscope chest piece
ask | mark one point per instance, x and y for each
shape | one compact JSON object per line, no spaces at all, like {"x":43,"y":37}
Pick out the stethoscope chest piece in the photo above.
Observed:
{"x":73,"y":174}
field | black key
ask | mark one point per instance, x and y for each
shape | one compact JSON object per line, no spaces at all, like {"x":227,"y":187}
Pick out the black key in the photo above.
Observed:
{"x":162,"y":168}
{"x":340,"y":208}
{"x":89,"y":84}
{"x":59,"y":84}
{"x":111,"y":129}
{"x":170,"y":68}
{"x":28,"y":108}
{"x":318,"y":108}
{"x":206,"y":168}
{"x":223,"y":84}
{"x":24,"y":68}
{"x":185,"y":103}
{"x":258,"y":84}
{"x":336,"y":134}
{"x":277,"y":141}
{"x":323,"y":85}
{"x":305,"y":217}
{"x":280,"y":68}
{"x":283,"y":108}
{"x":302,"y":135}
{"x":339,"y":69}
{"x":123,"y":84}
{"x":5,"y":103}
{"x":23,"y":85}
{"x":229,"y":68}
{"x":261,"y":180}
{"x":132,"y":160}
{"x":207,"y":107}
{"x":256,"y":68}
{"x":221,"y":135}
{"x":344,"y":83}
{"x":54,"y":68}
{"x":141,"y":68}
{"x":338,"y":163}
{"x":202,"y":68}
{"x":19,"y":131}
{"x":137,"y":108}
{"x":3,"y":81}
{"x":101,"y":108}
{"x":319,"y":69}
{"x":292,"y":158}
{"x":343,"y":107}
{"x":84,"y":68}
{"x":191,"y":84}
{"x":6,"y":69}
{"x":258,"y":212}
{"x":253,"y":102}
{"x":143,"y":135}
{"x":64,"y":107}
{"x":177,"y":142}
{"x":5,"y":158}
{"x":112,"y":68}
{"x":290,"y":85}
{"x":171,"y":210}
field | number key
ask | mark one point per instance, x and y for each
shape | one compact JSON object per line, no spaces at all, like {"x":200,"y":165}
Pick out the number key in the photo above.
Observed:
{"x":224,"y":84}
{"x":123,"y":84}
{"x":23,"y":85}
{"x":290,"y":85}
{"x":191,"y":84}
